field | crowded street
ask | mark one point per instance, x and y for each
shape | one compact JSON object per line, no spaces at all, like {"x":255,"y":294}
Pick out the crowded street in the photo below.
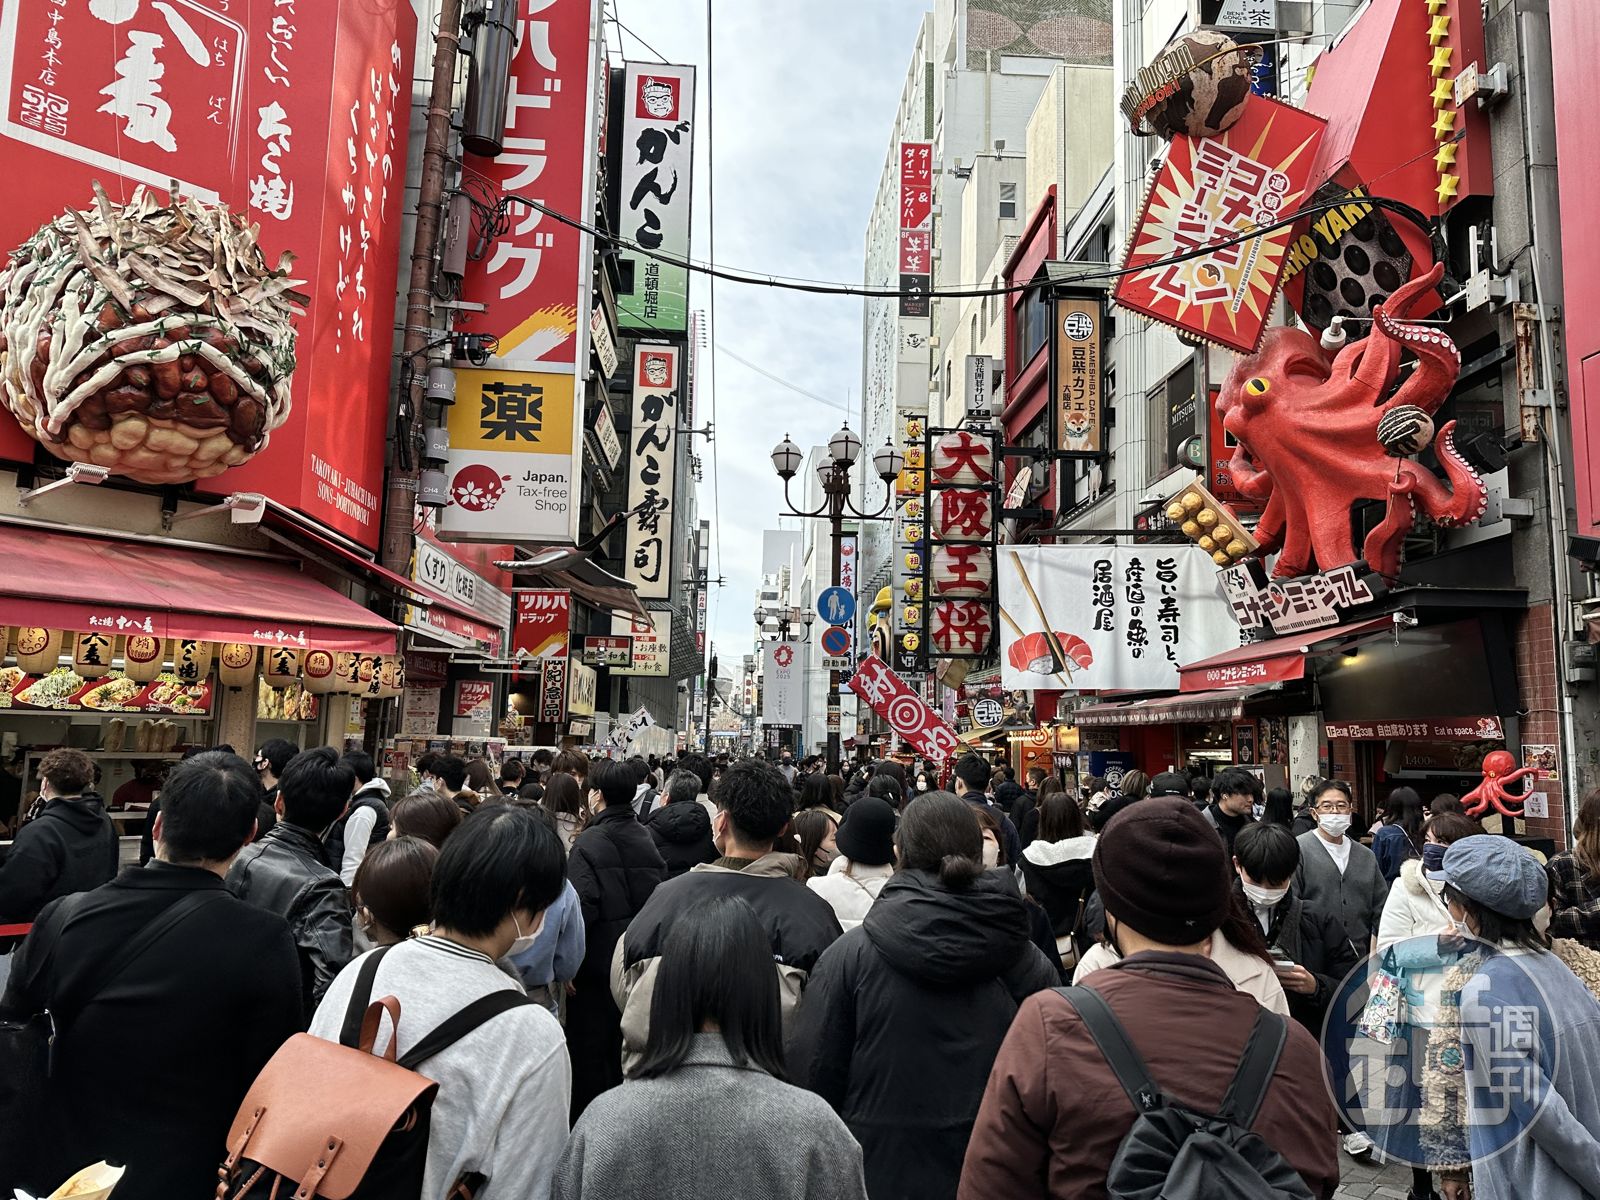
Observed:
{"x":860,"y":600}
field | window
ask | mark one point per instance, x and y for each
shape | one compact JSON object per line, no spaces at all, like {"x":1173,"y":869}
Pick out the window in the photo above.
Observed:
{"x":1008,"y":201}
{"x":972,"y":335}
{"x":1033,"y":327}
{"x":996,"y":301}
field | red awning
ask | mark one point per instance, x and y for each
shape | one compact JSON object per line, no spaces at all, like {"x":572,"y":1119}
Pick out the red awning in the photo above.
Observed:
{"x":80,"y":582}
{"x":1168,"y":710}
{"x":1273,"y":661}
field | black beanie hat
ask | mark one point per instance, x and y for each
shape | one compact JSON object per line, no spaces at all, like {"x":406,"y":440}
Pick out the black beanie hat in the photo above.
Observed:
{"x":866,"y":834}
{"x":1161,"y":868}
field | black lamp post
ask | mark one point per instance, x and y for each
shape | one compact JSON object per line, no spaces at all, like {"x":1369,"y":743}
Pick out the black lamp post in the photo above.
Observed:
{"x":844,"y":448}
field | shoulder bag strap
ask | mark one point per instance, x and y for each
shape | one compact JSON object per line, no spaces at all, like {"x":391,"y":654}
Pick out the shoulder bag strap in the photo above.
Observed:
{"x":360,"y":997}
{"x":147,"y":937}
{"x":1114,"y":1045}
{"x":1256,"y":1065}
{"x":452,"y":1030}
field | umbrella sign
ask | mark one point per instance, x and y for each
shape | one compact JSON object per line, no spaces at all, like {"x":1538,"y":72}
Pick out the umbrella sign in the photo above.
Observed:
{"x":836,"y":606}
{"x":835,"y":641}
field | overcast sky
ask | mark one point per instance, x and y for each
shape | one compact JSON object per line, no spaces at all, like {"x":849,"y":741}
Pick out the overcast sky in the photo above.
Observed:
{"x":804,"y":96}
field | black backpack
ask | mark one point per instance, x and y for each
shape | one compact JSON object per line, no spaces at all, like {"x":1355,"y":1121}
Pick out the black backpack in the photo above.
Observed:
{"x":335,"y":1120}
{"x":1174,"y":1153}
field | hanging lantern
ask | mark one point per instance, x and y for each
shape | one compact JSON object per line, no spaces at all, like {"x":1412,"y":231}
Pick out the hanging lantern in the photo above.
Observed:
{"x":369,"y":675}
{"x":92,"y":654}
{"x":316,"y":672}
{"x":283,"y":666}
{"x":962,"y":571}
{"x":963,"y":457}
{"x":38,"y":650}
{"x":346,"y":672}
{"x":391,"y":677}
{"x":143,"y":657}
{"x":963,"y":515}
{"x":961,"y":627}
{"x":236,"y":664}
{"x":191,"y":660}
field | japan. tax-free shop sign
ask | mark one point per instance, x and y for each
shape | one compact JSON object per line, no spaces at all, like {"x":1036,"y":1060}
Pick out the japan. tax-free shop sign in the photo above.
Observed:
{"x":292,"y":112}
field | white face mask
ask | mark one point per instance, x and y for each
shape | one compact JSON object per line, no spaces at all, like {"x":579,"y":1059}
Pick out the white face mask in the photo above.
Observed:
{"x":523,"y":940}
{"x":922,"y":785}
{"x":1263,"y":897}
{"x":1334,"y":824}
{"x":991,"y":854}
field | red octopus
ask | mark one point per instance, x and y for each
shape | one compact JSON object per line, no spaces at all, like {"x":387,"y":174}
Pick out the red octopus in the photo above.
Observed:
{"x":1497,"y":773}
{"x":1308,"y":446}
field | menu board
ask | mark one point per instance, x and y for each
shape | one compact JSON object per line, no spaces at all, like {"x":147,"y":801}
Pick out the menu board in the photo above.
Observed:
{"x":64,"y":690}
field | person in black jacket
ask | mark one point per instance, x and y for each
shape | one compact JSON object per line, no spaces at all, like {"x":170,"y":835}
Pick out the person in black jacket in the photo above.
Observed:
{"x":1314,"y":951}
{"x":151,"y":1066}
{"x":681,"y":827}
{"x":1058,"y":869}
{"x":614,"y":867}
{"x":364,"y":824}
{"x":71,"y":846}
{"x":972,"y":777}
{"x":903,"y":1016}
{"x":287,"y":872}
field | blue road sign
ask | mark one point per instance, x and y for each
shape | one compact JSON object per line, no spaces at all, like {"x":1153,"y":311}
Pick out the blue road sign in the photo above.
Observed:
{"x":836,"y":606}
{"x":835,"y":641}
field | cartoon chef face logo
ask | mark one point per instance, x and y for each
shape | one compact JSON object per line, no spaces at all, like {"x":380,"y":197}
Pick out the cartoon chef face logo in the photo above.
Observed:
{"x":658,"y":98}
{"x":657,"y":370}
{"x":477,"y":488}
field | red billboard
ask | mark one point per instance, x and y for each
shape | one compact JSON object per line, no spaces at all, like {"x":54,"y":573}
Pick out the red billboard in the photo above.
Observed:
{"x":544,"y":623}
{"x":295,"y":115}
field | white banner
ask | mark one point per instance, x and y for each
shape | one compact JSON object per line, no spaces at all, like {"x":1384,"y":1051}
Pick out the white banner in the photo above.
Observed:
{"x":652,"y":643}
{"x":657,"y":154}
{"x":652,"y":463}
{"x":1108,"y":618}
{"x":782,"y":684}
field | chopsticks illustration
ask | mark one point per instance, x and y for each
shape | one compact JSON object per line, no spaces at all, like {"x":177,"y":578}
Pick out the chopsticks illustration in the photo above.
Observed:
{"x":1058,"y":658}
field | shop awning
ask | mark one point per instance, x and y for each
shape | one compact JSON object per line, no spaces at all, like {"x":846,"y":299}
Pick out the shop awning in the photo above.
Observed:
{"x":1275,"y":661}
{"x":82,"y":582}
{"x":1169,"y":710}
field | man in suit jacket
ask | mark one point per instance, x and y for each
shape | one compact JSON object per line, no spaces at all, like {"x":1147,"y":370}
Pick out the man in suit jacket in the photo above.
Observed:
{"x":152,"y":1064}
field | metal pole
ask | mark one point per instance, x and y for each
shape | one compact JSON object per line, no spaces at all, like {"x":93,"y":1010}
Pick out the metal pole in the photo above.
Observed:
{"x":400,"y":506}
{"x":836,"y":498}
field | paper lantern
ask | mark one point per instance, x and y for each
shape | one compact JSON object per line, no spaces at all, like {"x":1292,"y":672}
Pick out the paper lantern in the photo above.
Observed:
{"x":963,"y":457}
{"x":316,"y":672}
{"x":38,"y":650}
{"x":191,"y":660}
{"x":369,"y":675}
{"x":92,"y":654}
{"x":236,"y":664}
{"x":391,"y":676}
{"x":963,"y":515}
{"x":143,"y":657}
{"x":962,"y":571}
{"x":346,"y":671}
{"x":961,"y":627}
{"x":283,"y":666}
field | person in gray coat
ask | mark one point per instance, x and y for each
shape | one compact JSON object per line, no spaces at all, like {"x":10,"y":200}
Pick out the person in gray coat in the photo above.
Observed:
{"x":705,"y":1113}
{"x":1337,"y":874}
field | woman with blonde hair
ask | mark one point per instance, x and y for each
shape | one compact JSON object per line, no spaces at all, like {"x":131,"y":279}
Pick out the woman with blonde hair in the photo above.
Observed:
{"x":1575,"y":879}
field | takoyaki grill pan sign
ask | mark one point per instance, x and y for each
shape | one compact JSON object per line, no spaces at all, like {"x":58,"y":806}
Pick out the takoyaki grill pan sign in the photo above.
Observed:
{"x":1108,"y":618}
{"x":294,"y":115}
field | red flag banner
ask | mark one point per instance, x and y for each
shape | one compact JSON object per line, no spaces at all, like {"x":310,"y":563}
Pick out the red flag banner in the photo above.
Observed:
{"x":894,"y":700}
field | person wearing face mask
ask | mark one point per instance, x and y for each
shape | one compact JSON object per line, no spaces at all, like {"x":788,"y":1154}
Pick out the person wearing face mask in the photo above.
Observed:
{"x":614,"y":867}
{"x":1309,"y":943}
{"x":502,"y":1107}
{"x":1337,"y":873}
{"x":817,"y":831}
{"x":903,"y":1014}
{"x":288,"y":872}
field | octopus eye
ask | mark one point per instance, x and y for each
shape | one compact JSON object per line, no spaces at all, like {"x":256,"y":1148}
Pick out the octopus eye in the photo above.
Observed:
{"x":1257,"y":386}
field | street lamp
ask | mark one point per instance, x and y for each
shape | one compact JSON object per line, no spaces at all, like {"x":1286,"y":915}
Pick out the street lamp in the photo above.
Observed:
{"x":844,"y":449}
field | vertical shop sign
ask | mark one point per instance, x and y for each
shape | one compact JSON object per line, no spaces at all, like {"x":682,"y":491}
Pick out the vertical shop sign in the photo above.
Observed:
{"x":847,"y":563}
{"x":657,"y":151}
{"x":652,"y":448}
{"x":1077,"y":343}
{"x":553,"y":691}
{"x":916,"y":227}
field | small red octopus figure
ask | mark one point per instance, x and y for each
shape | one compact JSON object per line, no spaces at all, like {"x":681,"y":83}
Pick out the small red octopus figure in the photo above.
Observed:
{"x":1497,"y":773}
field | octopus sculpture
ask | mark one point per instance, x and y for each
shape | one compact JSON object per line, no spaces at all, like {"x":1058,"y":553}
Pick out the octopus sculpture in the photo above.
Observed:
{"x":1493,"y":791}
{"x":1315,"y":436}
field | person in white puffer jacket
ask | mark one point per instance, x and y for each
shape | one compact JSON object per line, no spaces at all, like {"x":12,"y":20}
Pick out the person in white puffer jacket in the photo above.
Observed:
{"x":865,"y":863}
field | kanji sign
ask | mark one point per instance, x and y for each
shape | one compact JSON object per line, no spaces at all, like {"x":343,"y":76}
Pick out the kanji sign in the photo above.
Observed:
{"x":1437,"y":729}
{"x":513,"y":449}
{"x":651,"y":639}
{"x":553,"y":691}
{"x":1210,"y":191}
{"x":474,"y":699}
{"x":652,"y":465}
{"x":608,"y":651}
{"x":544,"y":624}
{"x":916,"y":227}
{"x":906,"y":712}
{"x":1077,"y":375}
{"x":657,"y":153}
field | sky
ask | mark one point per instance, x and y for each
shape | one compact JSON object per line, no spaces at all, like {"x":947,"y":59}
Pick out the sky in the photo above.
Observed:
{"x":802,"y":100}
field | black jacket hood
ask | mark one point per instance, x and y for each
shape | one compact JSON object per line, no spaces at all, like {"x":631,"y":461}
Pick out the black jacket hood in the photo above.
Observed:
{"x":681,"y":823}
{"x":85,"y":813}
{"x":948,"y":937}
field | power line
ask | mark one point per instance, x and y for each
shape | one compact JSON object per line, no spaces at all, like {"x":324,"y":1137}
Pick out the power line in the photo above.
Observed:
{"x":781,"y":382}
{"x":617,"y":21}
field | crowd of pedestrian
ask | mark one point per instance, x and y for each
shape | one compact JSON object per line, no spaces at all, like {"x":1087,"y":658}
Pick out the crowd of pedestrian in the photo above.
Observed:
{"x":711,"y":978}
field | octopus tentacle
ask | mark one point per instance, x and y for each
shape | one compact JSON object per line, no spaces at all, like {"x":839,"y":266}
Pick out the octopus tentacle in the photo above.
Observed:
{"x":1468,"y":498}
{"x":1382,"y":547}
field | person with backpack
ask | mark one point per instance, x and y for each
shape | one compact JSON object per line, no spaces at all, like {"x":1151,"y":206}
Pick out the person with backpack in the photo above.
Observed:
{"x":71,"y":846}
{"x":499,"y":1118}
{"x":168,"y":995}
{"x":364,"y":824}
{"x":1164,"y":1022}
